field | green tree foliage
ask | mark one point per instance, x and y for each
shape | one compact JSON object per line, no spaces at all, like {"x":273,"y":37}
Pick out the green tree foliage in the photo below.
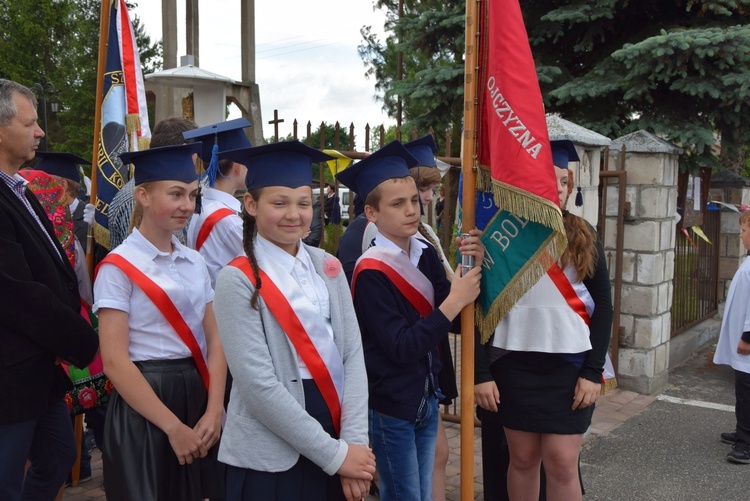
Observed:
{"x":679,"y":68}
{"x":57,"y":41}
{"x":430,"y":35}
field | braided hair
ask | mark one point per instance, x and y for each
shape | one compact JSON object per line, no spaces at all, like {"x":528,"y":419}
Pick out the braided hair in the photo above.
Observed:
{"x":249,"y":230}
{"x":425,"y":177}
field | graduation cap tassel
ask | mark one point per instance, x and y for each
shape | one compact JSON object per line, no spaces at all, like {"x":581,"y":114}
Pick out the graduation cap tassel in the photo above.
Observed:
{"x":213,"y":166}
{"x":579,"y":198}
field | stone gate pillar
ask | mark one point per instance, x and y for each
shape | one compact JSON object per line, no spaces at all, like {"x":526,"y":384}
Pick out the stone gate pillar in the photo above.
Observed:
{"x":729,"y":188}
{"x":648,"y":261}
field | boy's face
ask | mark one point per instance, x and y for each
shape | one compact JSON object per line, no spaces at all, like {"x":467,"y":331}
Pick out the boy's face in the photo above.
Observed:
{"x":745,"y":236}
{"x":397,"y":218}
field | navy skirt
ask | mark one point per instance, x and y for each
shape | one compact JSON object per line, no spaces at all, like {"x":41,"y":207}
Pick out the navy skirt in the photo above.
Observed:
{"x":303,"y":481}
{"x":536,"y":393}
{"x":138,"y":460}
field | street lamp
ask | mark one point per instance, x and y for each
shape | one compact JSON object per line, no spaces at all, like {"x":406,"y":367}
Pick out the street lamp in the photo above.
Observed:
{"x":42,"y":90}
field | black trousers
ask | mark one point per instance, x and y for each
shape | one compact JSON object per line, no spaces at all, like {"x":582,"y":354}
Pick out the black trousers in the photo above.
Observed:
{"x":742,"y":406}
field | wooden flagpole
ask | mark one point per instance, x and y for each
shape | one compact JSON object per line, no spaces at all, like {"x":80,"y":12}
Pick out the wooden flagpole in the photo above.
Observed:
{"x":468,"y":161}
{"x":101,"y":67}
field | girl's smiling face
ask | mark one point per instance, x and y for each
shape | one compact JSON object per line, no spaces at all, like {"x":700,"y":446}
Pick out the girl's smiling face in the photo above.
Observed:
{"x":282,"y":215}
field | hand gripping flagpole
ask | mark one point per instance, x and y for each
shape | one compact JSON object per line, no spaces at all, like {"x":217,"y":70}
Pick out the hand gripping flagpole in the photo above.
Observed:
{"x":468,"y":162}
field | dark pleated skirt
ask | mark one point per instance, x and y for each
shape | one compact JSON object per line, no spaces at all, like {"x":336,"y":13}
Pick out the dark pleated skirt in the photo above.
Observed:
{"x":305,"y":481}
{"x":138,"y":460}
{"x":536,"y":393}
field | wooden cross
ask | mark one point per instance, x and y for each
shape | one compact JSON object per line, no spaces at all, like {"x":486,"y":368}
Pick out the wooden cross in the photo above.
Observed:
{"x":276,"y":121}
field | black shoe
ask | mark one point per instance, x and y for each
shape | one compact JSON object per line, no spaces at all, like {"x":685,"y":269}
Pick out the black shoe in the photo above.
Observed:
{"x":740,"y":453}
{"x":729,"y":437}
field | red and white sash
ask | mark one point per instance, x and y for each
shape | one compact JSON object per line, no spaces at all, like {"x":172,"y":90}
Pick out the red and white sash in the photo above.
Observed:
{"x":168,"y":297}
{"x":576,"y":302}
{"x":303,"y":325}
{"x":410,"y":282}
{"x":208,"y":225}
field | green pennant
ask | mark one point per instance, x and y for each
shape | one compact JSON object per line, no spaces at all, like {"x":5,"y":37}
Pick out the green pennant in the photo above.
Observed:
{"x":517,"y":253}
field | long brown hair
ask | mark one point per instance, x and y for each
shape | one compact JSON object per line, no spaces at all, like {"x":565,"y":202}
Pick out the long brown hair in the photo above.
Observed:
{"x":581,"y":252}
{"x":249,"y":229}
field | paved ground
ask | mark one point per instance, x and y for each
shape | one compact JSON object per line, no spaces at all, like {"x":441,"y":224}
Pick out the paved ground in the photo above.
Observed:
{"x":640,"y":447}
{"x":671,"y":450}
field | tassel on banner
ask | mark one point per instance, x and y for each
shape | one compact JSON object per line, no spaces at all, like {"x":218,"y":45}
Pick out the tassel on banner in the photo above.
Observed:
{"x":132,"y":127}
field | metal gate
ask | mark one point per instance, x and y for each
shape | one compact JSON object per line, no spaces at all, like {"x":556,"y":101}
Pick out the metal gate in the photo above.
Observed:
{"x":606,"y":177}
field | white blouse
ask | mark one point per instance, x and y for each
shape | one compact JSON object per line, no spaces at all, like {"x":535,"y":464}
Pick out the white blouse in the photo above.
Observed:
{"x":151,"y":335}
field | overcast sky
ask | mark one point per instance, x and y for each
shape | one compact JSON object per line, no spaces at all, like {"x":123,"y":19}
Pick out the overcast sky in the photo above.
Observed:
{"x":307,"y":65}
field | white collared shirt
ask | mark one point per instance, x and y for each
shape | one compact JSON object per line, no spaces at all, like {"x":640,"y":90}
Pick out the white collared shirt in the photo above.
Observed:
{"x":301,"y":269}
{"x":73,"y":205}
{"x":151,"y":335}
{"x":415,"y":247}
{"x":225,"y":240}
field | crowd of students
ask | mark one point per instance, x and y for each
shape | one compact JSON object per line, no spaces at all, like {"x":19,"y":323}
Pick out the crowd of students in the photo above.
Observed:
{"x":248,"y":365}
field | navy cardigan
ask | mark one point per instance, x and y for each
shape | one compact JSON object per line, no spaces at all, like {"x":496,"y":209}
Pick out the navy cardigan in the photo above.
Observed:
{"x":397,"y":340}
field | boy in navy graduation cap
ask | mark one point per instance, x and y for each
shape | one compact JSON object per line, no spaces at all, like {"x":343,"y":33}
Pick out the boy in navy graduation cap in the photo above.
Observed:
{"x":64,"y":168}
{"x":288,"y":327}
{"x":159,"y":342}
{"x":405,"y":307}
{"x":216,"y":232}
{"x":428,"y":177}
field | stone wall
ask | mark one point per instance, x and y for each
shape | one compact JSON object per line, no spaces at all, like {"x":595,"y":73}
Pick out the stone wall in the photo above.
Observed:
{"x":731,"y":189}
{"x":648,"y":259}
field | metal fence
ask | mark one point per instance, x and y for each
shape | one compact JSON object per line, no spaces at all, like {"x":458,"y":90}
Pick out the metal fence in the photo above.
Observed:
{"x":696,"y":274}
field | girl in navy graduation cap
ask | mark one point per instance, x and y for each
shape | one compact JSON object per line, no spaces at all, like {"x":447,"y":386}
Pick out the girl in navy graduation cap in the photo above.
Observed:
{"x":159,"y":344}
{"x":546,"y":358}
{"x":297,"y":418}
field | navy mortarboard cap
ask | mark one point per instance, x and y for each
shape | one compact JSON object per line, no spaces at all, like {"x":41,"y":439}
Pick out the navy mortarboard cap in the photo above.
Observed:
{"x":277,"y":164}
{"x":228,"y":135}
{"x":389,"y":162}
{"x":222,"y":136}
{"x":168,"y":163}
{"x":423,"y":149}
{"x":563,"y":151}
{"x":60,"y":164}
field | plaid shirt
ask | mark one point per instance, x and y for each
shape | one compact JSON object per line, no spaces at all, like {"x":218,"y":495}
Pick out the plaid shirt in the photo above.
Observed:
{"x":119,"y":213}
{"x":17,"y":184}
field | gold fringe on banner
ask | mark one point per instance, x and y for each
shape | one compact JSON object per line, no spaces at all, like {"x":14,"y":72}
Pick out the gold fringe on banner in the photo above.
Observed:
{"x":525,"y":205}
{"x":144,"y":143}
{"x":132,"y":123}
{"x":101,"y":236}
{"x":609,"y":385}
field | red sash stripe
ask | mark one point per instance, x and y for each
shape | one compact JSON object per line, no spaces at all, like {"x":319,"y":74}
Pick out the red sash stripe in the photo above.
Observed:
{"x":566,"y":289}
{"x":287,"y":319}
{"x":415,"y":298}
{"x":165,"y":305}
{"x":209,"y":224}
